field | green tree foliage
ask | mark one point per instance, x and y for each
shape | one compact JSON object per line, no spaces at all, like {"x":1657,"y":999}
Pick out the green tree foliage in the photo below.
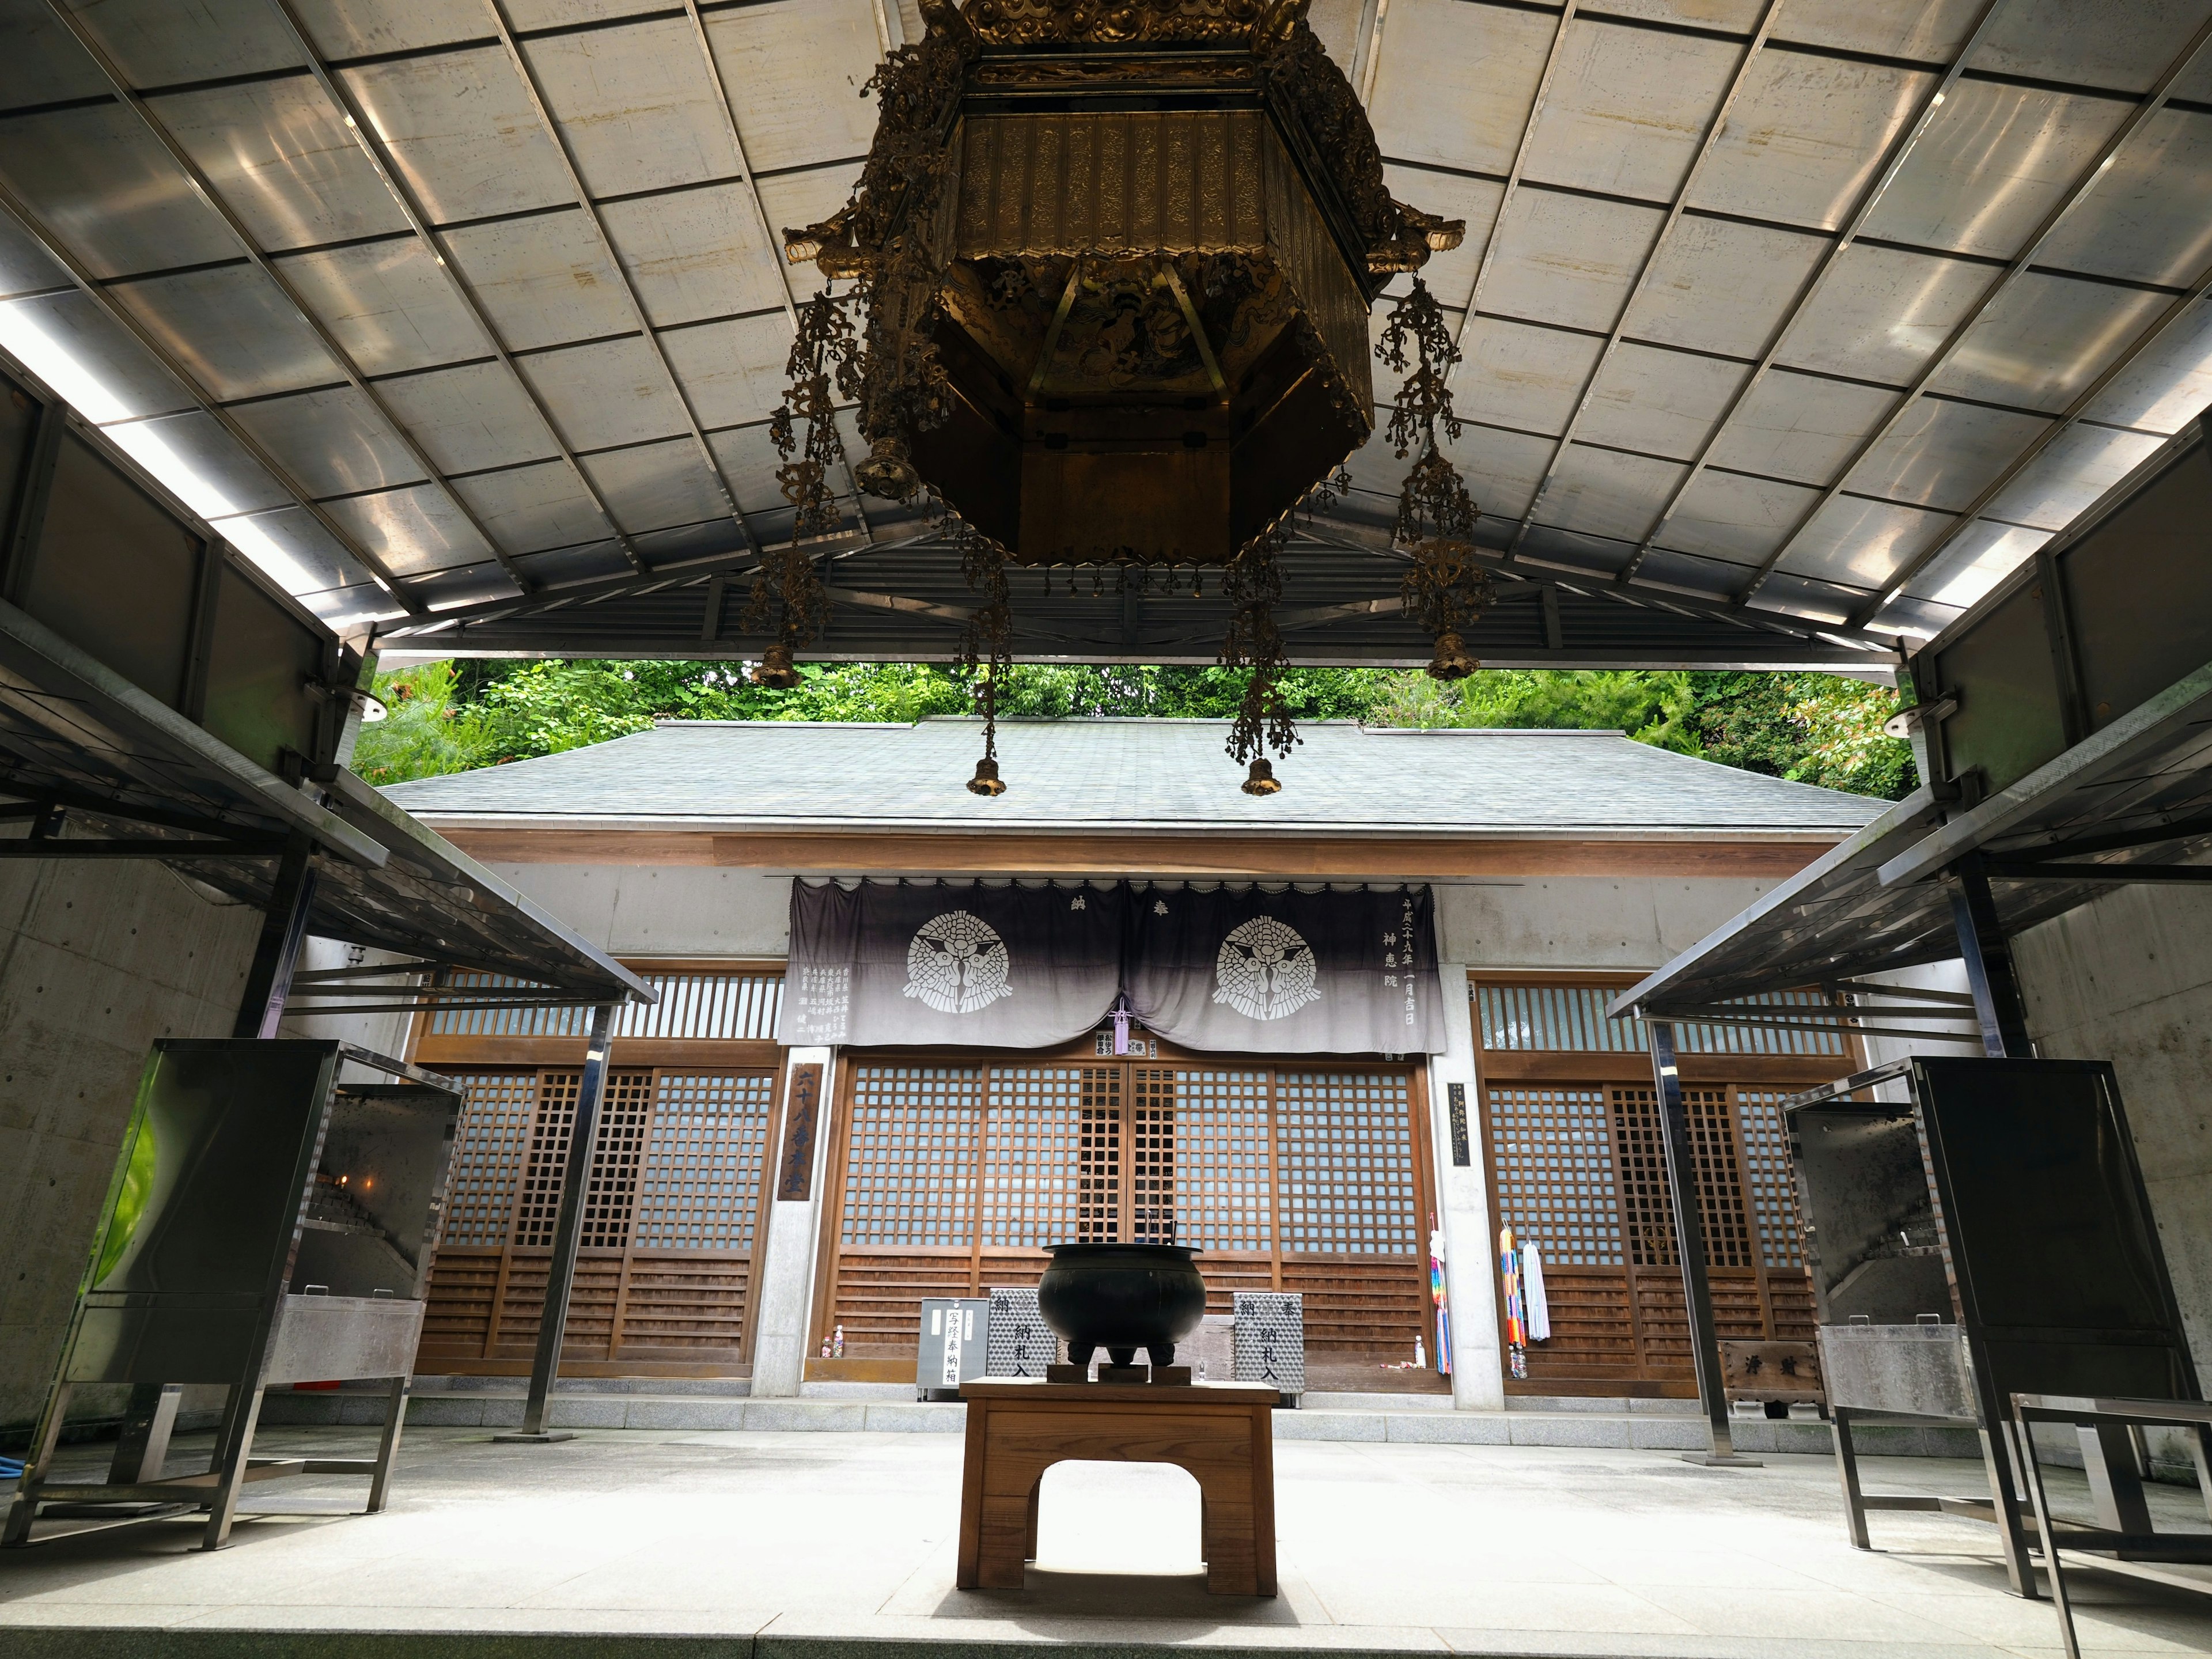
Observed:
{"x":1815,"y":728}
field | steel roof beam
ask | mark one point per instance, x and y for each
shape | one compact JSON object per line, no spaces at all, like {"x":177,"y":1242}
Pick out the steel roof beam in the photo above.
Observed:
{"x":42,"y":232}
{"x":373,"y":147}
{"x":560,"y":138}
{"x":1674,"y":217}
{"x":255,"y":253}
{"x":1861,"y":210}
{"x":888,"y":19}
{"x":1513,"y":174}
{"x":2153,"y":101}
{"x":2020,"y":463}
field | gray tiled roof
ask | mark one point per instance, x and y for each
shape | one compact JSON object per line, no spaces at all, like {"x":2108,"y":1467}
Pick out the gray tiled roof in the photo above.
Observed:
{"x":1132,"y":775}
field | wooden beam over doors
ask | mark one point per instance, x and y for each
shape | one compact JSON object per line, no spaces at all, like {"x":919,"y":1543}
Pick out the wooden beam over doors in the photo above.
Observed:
{"x":1341,"y":858}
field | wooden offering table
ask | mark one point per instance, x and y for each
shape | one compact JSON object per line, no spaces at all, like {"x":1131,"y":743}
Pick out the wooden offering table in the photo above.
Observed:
{"x":1222,"y":1432}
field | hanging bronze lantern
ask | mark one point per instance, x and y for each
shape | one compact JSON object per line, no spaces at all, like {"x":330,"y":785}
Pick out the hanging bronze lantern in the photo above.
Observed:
{"x":1117,"y":260}
{"x":1452,"y":660}
{"x":775,"y":671}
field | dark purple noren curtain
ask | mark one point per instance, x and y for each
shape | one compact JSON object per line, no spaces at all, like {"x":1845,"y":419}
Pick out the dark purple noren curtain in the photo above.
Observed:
{"x":1291,"y":973}
{"x":990,"y":967}
{"x":1249,"y":972}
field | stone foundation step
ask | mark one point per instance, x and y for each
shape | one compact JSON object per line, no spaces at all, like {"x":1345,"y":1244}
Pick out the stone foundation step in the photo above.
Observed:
{"x":576,"y":1408}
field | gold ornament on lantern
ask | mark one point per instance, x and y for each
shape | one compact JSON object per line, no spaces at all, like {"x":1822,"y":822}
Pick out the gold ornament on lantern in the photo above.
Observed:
{"x":1445,"y":586}
{"x":1116,"y":259}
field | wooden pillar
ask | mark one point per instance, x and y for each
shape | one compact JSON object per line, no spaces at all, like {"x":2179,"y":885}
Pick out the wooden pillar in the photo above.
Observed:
{"x":567,"y":1230}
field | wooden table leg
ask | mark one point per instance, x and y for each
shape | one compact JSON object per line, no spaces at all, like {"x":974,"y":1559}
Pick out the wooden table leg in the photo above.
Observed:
{"x":971,"y":1495}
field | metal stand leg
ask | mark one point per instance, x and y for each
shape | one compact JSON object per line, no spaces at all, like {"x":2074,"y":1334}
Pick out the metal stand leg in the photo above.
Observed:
{"x":41,"y":1453}
{"x":2200,"y":1444}
{"x":1847,"y":1471}
{"x":1690,"y":1247}
{"x":148,"y":1422}
{"x":2033,"y":1472}
{"x":2108,"y":1458}
{"x":1999,"y":1452}
{"x":387,"y":1450}
{"x":233,"y":1448}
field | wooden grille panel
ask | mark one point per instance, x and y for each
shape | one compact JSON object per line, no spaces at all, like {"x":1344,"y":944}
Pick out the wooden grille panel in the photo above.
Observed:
{"x":1551,"y":1168}
{"x":1223,"y":1186}
{"x":910,"y":1162}
{"x":1250,"y":1165}
{"x":1151,"y":1152}
{"x":617,"y":1156}
{"x":1345,"y":1141}
{"x":1098,"y":1208}
{"x":539,"y":1200}
{"x":1617,"y":1310}
{"x":1031,"y":1157}
{"x":1773,"y":1194}
{"x":700,"y":1188}
{"x":488,"y":1150}
{"x":670,"y":1212}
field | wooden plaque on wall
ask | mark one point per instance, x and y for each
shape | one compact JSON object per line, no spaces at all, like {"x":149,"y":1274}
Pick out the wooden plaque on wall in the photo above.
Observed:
{"x":795,"y":1169}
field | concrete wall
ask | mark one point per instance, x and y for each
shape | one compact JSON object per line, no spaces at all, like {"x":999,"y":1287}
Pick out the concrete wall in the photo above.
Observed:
{"x":2128,"y":979}
{"x":1625,"y":922}
{"x":96,"y":961}
{"x":664,"y":910}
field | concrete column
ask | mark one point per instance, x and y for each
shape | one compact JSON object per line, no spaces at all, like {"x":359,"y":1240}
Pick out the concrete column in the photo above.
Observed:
{"x":1463,"y":1210}
{"x":787,"y":1257}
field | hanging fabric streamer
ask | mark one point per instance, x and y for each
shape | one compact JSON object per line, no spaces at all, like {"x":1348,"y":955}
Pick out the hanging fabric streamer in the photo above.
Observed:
{"x":1438,"y":1295}
{"x":1516,"y":1322}
{"x":1532,"y":1289}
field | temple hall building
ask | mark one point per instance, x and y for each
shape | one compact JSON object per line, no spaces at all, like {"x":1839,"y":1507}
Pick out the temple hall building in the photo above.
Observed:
{"x":840,"y":929}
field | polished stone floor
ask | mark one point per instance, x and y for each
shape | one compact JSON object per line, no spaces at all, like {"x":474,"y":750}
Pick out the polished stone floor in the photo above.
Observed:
{"x":830,"y":1542}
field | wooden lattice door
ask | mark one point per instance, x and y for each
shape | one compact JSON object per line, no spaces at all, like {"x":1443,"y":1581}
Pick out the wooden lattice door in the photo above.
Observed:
{"x":671,"y":1209}
{"x":953,"y":1178}
{"x":1582,"y":1171}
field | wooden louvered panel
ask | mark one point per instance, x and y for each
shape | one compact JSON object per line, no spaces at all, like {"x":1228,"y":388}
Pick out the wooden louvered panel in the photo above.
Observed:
{"x":1366,"y":1309}
{"x":1011,"y":1269}
{"x":591,"y":1306}
{"x":1666,"y":1327}
{"x":879,"y":1295}
{"x":682,"y":1305}
{"x":1593,"y":1328}
{"x":1226,"y":1275}
{"x":1789,"y":1294}
{"x":464,"y":1285}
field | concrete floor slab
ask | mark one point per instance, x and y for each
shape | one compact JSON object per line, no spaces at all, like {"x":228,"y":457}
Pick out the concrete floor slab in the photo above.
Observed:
{"x":755,"y":1544}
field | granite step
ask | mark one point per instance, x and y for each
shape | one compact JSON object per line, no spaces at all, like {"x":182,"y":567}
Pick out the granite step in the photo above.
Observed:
{"x":579,"y":1408}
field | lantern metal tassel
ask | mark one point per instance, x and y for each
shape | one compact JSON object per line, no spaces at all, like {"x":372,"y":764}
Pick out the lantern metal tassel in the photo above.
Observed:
{"x":1445,"y":588}
{"x":824,"y":350}
{"x":986,"y":644}
{"x":1253,"y":583}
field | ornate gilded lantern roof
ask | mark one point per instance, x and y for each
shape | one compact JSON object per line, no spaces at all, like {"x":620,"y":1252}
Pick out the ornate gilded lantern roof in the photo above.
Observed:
{"x":1117,"y":258}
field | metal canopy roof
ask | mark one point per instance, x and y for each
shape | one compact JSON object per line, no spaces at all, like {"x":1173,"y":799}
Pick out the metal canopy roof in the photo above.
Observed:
{"x":2136,"y":794}
{"x":1826,"y":310}
{"x":130,"y":770}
